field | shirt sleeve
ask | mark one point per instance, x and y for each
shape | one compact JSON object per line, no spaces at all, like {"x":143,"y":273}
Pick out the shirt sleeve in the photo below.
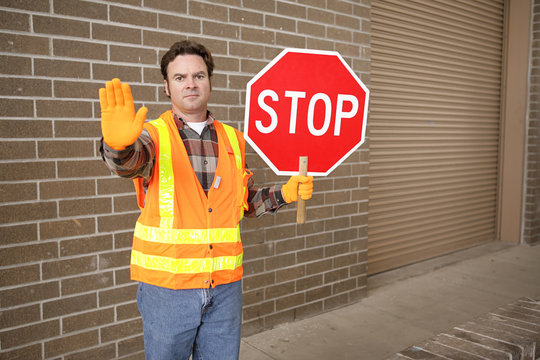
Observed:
{"x":263,"y":201}
{"x":135,"y":161}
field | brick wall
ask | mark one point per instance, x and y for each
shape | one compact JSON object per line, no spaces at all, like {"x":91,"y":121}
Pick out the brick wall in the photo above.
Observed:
{"x":66,"y":223}
{"x":531,"y":231}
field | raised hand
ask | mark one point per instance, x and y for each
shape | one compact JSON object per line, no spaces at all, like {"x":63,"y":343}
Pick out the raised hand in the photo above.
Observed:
{"x":120,"y":125}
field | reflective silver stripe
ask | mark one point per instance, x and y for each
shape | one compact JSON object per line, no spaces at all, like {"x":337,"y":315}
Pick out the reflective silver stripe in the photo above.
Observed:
{"x":187,"y":236}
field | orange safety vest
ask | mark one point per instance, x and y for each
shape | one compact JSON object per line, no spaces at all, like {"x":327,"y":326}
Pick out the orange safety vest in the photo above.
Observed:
{"x":183,"y":238}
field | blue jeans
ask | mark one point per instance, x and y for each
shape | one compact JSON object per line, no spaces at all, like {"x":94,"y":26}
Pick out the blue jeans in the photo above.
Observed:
{"x":205,"y":323}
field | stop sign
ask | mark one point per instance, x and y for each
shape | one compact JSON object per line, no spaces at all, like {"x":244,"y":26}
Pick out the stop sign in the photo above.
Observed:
{"x":305,"y":103}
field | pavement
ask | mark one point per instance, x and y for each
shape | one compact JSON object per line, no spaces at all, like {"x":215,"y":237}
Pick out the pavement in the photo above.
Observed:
{"x":408,"y":305}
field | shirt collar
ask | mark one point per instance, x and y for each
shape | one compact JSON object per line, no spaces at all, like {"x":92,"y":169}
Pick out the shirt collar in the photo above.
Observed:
{"x":180,"y":123}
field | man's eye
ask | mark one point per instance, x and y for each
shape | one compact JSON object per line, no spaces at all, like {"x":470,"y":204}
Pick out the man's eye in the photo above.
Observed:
{"x":200,"y":76}
{"x":178,"y":78}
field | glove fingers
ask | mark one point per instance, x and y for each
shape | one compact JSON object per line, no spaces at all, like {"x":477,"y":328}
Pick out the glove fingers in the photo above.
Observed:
{"x":103,"y":103}
{"x":126,"y":94}
{"x":305,"y":191}
{"x":118,"y":94}
{"x":111,"y":101}
{"x":140,"y":117}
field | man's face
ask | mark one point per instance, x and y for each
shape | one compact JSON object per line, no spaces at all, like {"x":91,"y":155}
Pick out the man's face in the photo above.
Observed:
{"x":188,"y":85}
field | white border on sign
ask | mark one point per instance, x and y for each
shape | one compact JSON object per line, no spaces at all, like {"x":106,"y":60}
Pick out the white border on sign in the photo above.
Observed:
{"x":263,"y":71}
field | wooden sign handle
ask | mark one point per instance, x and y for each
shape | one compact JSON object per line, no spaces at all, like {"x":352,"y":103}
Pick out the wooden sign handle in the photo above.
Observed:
{"x":301,"y":207}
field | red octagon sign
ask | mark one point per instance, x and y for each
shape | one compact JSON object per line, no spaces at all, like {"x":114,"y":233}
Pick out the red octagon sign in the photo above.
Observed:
{"x":306,"y":103}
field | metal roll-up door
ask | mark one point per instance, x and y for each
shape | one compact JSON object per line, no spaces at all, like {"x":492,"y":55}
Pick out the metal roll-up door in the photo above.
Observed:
{"x":433,"y":127}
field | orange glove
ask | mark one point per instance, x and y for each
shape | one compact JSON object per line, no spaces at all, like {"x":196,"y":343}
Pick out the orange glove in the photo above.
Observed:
{"x":297,"y":185}
{"x":119,"y":123}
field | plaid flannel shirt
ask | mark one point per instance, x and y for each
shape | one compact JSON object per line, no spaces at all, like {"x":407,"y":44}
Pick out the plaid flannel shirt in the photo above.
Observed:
{"x":138,"y":159}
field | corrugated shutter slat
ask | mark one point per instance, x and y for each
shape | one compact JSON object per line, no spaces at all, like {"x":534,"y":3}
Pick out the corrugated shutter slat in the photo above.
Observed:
{"x":433,"y":127}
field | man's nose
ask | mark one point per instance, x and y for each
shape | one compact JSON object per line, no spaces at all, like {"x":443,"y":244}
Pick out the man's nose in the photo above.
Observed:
{"x":190,"y":82}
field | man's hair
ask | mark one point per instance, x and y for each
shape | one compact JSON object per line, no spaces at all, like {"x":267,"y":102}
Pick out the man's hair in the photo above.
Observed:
{"x":187,"y":47}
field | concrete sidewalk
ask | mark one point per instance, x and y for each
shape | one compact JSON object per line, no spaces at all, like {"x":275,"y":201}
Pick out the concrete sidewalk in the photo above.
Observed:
{"x":408,"y":305}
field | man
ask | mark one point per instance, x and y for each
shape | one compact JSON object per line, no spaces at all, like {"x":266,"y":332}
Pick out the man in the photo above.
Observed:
{"x":193,"y":188}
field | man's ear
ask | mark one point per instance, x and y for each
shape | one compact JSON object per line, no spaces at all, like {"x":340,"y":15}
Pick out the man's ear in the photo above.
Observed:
{"x":166,"y":88}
